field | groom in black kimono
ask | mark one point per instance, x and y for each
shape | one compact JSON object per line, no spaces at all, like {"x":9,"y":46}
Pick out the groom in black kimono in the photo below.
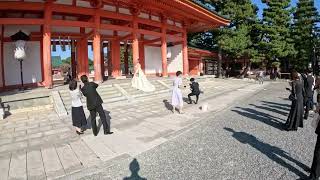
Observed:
{"x":94,"y":105}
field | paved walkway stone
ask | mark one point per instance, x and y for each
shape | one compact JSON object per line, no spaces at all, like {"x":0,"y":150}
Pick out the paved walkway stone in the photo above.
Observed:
{"x":35,"y":165}
{"x":51,"y":161}
{"x":52,"y":149}
{"x":18,"y":166}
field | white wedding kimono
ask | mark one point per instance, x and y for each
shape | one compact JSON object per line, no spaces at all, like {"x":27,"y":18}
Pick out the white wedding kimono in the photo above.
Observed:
{"x":140,"y":81}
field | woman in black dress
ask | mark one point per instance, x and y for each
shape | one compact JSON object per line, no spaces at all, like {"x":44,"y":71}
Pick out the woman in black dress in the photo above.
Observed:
{"x":79,"y":120}
{"x":295,"y":118}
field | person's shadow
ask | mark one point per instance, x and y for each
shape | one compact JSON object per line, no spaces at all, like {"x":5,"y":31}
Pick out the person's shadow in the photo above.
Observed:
{"x":134,"y":168}
{"x":272,"y":152}
{"x":99,"y":124}
{"x":167,"y":105}
{"x":260,"y":116}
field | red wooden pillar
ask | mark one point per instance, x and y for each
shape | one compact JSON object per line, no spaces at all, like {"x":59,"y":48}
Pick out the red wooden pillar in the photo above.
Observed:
{"x":135,"y":43}
{"x":97,"y":50}
{"x":47,"y":81}
{"x":116,"y":58}
{"x":164,"y":47}
{"x":141,"y":53}
{"x":185,"y":53}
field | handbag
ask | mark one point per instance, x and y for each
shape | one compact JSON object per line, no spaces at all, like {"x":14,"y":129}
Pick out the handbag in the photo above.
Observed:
{"x":315,"y":121}
{"x":292,"y":97}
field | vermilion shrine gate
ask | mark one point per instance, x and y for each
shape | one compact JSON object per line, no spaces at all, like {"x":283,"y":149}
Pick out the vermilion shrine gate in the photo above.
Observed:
{"x":148,"y":25}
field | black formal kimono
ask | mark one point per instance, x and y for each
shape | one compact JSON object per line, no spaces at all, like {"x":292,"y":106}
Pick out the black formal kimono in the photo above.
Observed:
{"x":315,"y":168}
{"x":295,"y":118}
{"x":94,"y":105}
{"x":309,"y":83}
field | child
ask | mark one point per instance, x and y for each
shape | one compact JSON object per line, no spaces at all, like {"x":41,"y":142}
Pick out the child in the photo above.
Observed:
{"x":79,"y":120}
{"x":195,"y":91}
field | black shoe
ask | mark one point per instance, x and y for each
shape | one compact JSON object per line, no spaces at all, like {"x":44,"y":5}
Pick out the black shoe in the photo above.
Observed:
{"x":79,"y":132}
{"x":107,"y":133}
{"x":189,"y":102}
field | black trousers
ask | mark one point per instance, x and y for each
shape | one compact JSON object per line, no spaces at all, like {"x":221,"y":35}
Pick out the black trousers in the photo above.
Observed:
{"x":315,"y":168}
{"x":309,"y":106}
{"x":93,"y":114}
{"x":193,"y":94}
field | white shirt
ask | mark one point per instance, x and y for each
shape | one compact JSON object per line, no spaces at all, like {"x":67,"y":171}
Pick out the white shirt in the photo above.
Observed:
{"x":76,"y":98}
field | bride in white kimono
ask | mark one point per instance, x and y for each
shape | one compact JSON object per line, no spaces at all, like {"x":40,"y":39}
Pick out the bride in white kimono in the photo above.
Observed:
{"x":140,"y":81}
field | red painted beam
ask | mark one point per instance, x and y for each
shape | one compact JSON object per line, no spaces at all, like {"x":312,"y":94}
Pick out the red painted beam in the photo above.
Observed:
{"x":72,"y":23}
{"x":152,"y":41}
{"x":21,"y":21}
{"x":31,"y":6}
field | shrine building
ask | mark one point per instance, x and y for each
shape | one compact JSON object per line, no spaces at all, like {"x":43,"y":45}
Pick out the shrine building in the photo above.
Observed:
{"x":148,"y":28}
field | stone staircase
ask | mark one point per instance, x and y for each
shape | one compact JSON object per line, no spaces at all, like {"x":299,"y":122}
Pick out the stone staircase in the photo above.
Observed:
{"x":24,"y":101}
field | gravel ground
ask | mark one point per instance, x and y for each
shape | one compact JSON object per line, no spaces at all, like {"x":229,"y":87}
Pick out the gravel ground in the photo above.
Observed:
{"x":245,"y":141}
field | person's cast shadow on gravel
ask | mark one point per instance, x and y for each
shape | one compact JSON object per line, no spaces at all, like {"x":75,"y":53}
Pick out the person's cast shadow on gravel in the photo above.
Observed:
{"x":274,"y":153}
{"x":260,"y":116}
{"x":134,"y":168}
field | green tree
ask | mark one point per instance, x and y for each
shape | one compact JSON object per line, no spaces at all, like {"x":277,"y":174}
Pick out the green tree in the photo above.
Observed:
{"x":276,"y":42}
{"x":237,"y":40}
{"x":305,"y":18}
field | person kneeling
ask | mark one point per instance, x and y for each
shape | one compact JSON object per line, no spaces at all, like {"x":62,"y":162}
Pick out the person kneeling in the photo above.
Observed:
{"x":195,"y":91}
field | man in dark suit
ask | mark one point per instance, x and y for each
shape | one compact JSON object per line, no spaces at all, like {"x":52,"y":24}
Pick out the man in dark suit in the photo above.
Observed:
{"x":309,"y":86}
{"x":94,"y":105}
{"x":195,"y":91}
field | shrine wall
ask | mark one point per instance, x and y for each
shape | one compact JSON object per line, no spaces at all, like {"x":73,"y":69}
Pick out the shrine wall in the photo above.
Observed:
{"x":31,"y":64}
{"x":175,"y":63}
{"x":153,"y":64}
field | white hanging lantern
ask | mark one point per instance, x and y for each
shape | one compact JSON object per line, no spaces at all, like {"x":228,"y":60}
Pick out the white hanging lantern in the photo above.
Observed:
{"x":169,"y":54}
{"x":19,"y":52}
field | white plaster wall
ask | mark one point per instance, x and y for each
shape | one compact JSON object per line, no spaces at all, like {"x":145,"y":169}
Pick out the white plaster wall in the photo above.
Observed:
{"x":152,"y":60}
{"x":31,"y":65}
{"x":175,"y":63}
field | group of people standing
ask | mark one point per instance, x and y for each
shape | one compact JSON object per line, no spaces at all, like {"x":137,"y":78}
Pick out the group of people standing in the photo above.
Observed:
{"x":302,"y":93}
{"x":94,"y":105}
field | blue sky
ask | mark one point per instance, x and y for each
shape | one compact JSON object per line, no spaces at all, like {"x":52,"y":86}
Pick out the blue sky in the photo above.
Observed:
{"x":293,"y":3}
{"x":67,"y":53}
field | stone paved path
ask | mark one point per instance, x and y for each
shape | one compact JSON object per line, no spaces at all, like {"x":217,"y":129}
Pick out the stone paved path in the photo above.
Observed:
{"x":244,"y":141}
{"x":40,"y":145}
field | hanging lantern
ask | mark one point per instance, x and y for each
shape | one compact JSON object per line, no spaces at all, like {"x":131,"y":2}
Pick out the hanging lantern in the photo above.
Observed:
{"x":169,"y":53}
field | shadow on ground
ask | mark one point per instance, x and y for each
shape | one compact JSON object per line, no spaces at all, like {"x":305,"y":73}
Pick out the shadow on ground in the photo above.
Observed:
{"x":274,"y":153}
{"x":134,"y":168}
{"x":260,"y":116}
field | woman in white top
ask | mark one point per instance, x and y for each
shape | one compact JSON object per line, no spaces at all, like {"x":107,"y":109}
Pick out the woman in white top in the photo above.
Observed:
{"x":140,"y":81}
{"x":177,"y":100}
{"x":79,"y":120}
